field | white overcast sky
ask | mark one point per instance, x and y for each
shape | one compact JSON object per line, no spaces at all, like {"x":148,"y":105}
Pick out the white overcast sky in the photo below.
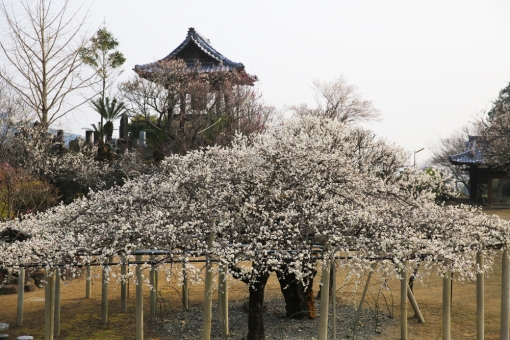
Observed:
{"x":428,"y":66}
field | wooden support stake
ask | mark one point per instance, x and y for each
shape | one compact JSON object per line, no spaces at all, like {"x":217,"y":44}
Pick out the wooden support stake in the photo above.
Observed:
{"x":333,"y":298}
{"x":123,"y":286}
{"x":21,"y":295}
{"x":414,"y":304}
{"x":57,"y":303}
{"x":104,"y":294}
{"x":480,"y":298}
{"x":447,"y":297}
{"x":505,"y":296}
{"x":88,"y":282}
{"x":185,"y":288}
{"x":139,"y":299}
{"x":223,"y":299}
{"x":323,"y":321}
{"x":49,"y":305}
{"x":156,"y":276}
{"x":206,"y":334}
{"x":153,"y":289}
{"x":403,"y":302}
{"x":220,"y":297}
{"x":367,"y":284}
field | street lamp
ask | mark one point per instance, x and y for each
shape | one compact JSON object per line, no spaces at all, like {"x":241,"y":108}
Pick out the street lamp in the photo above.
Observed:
{"x":414,"y":156}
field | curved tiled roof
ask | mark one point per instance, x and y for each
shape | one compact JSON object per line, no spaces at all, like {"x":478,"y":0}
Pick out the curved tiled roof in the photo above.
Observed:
{"x":203,"y":44}
{"x":467,"y":157}
{"x":472,"y":156}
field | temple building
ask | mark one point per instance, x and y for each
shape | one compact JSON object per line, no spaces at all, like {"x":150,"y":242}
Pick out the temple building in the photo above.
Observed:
{"x":486,"y":184}
{"x":197,"y":50}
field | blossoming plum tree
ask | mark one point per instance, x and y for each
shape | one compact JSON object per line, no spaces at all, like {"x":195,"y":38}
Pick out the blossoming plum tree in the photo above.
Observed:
{"x":268,"y":199}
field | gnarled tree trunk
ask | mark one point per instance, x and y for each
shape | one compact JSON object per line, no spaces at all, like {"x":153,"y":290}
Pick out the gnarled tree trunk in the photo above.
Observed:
{"x":299,"y":299}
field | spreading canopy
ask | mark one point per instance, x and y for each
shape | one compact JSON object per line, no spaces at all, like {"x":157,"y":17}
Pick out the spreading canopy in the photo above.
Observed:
{"x":269,"y":199}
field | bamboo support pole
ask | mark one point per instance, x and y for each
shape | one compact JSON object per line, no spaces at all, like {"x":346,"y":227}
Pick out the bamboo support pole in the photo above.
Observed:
{"x":480,"y":298}
{"x":333,"y":299}
{"x":414,"y":304}
{"x":49,"y":305}
{"x":104,"y":294}
{"x":223,"y":299}
{"x":220,"y":297}
{"x":153,"y":289}
{"x":185,"y":288}
{"x":123,"y":286}
{"x":156,"y":278}
{"x":139,"y":299}
{"x":21,"y":295}
{"x":403,"y":302}
{"x":88,"y":282}
{"x":206,"y":334}
{"x":57,"y":303}
{"x":364,"y":294}
{"x":505,"y":296}
{"x":323,"y":321}
{"x":447,"y":300}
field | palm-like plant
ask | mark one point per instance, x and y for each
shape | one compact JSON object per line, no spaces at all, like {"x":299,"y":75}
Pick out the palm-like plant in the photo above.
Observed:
{"x":108,"y":111}
{"x":96,"y":128}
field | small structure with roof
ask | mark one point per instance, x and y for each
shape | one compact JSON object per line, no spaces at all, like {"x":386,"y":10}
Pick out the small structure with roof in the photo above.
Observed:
{"x":481,"y":175}
{"x":197,"y":50}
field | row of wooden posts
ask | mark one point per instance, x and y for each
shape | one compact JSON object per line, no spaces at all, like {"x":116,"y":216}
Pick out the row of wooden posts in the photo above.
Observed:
{"x":406,"y":294}
{"x":52,"y":299}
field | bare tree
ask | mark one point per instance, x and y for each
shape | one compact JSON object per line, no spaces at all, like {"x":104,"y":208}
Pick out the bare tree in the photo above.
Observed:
{"x":495,"y":127}
{"x":185,"y":109}
{"x":42,"y":47}
{"x":449,"y":146}
{"x":14,"y":113}
{"x":339,"y":100}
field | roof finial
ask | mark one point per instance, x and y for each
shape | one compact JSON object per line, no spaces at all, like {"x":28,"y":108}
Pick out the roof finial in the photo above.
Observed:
{"x":191,"y":30}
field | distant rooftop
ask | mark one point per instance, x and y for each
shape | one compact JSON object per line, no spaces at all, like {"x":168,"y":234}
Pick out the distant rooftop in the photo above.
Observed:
{"x":472,"y":156}
{"x":195,"y":48}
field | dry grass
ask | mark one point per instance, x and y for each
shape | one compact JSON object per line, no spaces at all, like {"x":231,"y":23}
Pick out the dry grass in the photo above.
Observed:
{"x":81,"y":318}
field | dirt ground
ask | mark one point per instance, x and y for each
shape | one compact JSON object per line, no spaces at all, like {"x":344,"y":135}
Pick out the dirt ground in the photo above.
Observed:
{"x":81,"y":318}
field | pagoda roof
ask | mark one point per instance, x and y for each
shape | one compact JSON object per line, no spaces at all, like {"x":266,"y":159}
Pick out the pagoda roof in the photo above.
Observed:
{"x":195,"y":48}
{"x":472,"y":156}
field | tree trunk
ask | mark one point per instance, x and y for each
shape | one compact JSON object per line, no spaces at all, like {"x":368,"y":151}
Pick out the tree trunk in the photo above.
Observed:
{"x":108,"y":130}
{"x":299,"y":299}
{"x":256,"y":309}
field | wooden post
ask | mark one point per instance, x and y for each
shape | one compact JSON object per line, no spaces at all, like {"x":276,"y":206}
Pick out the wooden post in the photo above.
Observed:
{"x":104,"y":294}
{"x":49,"y":305}
{"x":220,"y":297}
{"x":323,"y":321}
{"x":123,"y":286}
{"x":403,"y":302}
{"x":206,"y":335}
{"x":21,"y":295}
{"x":139,"y":298}
{"x":153,"y":289}
{"x":447,"y":300}
{"x":223,"y":299}
{"x":364,"y":291}
{"x":333,"y":298}
{"x":57,"y":303}
{"x":489,"y":190}
{"x":479,"y":298}
{"x":414,"y":304}
{"x":88,"y":282}
{"x":185,"y":288}
{"x":156,"y":278}
{"x":505,"y":296}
